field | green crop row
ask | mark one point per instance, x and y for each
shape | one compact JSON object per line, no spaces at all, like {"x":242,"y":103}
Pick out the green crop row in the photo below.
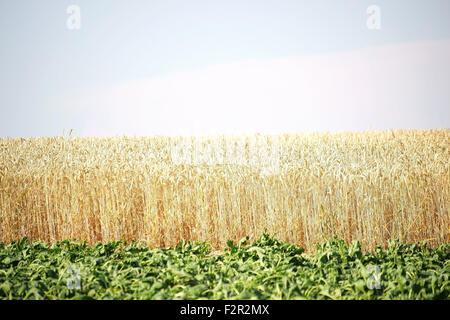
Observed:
{"x":265,"y":269}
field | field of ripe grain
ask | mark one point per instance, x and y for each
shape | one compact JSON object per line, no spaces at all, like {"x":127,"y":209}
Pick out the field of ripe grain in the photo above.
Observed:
{"x":305,"y":188}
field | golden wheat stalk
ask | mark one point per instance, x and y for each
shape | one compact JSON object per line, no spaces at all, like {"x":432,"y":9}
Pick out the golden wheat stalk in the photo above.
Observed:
{"x":369,"y":186}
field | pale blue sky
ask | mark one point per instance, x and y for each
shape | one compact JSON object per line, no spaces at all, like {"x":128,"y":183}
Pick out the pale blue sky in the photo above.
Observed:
{"x":108,"y":77}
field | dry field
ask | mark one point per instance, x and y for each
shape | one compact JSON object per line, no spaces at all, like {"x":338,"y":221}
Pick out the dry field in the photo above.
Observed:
{"x":306,"y":188}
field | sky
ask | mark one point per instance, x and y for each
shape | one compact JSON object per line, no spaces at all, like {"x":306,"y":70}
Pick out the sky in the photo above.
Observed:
{"x":191,"y":67}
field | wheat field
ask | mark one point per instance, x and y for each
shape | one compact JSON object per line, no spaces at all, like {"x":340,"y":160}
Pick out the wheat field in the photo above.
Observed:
{"x":304,"y":188}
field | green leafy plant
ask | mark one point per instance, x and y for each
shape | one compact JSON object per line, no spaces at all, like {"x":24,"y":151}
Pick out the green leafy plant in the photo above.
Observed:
{"x":265,"y":269}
